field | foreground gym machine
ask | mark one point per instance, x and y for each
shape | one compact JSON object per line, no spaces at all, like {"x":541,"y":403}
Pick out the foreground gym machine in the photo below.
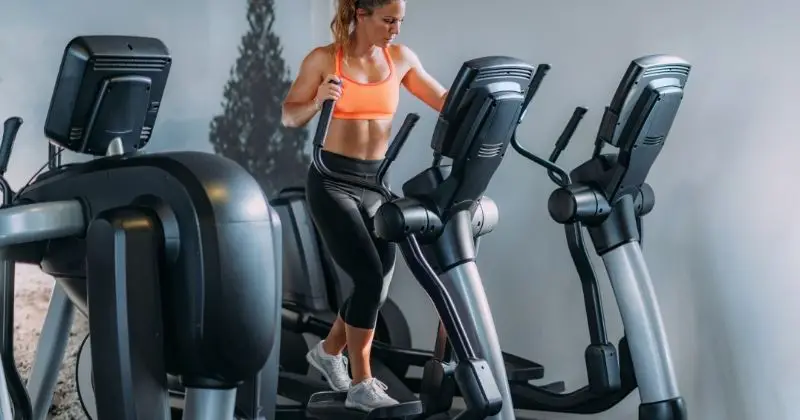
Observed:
{"x":169,"y":255}
{"x":607,"y":195}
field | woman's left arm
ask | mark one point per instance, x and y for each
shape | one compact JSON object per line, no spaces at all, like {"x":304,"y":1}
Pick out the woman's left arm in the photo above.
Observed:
{"x":421,"y":84}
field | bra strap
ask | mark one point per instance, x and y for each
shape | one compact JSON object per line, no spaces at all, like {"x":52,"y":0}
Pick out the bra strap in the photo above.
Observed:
{"x":338,"y":60}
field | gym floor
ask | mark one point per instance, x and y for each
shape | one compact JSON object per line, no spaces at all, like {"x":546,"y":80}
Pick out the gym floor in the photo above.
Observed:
{"x":33,"y":290}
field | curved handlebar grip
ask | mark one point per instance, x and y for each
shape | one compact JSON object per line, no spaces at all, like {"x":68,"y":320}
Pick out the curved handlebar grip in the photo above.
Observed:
{"x":10,"y":129}
{"x":401,"y":136}
{"x":326,"y":113}
{"x":563,"y":177}
{"x":397,"y":144}
{"x":569,"y":131}
{"x":533,"y":87}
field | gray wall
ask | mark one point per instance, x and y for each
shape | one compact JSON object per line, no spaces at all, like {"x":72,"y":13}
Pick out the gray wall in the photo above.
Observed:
{"x":721,"y":242}
{"x":202,"y":35}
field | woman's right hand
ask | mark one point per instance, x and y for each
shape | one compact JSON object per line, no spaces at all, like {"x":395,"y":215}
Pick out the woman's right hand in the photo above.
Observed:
{"x":331,"y":88}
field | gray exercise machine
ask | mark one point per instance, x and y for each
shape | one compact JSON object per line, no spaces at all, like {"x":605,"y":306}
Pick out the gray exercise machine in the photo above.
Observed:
{"x":173,"y":257}
{"x":608,"y":197}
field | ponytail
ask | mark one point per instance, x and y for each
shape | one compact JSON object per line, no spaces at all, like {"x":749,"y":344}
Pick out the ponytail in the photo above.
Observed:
{"x":340,"y":25}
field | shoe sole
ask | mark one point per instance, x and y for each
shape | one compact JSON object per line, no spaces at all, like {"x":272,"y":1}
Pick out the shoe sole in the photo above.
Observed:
{"x":313,"y":363}
{"x":356,"y":406}
{"x":361,"y":407}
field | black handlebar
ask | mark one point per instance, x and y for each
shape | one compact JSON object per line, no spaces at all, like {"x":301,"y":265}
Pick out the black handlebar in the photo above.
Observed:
{"x":397,"y":144}
{"x":20,"y":399}
{"x":10,"y":129}
{"x":377,"y":185}
{"x":533,"y":87}
{"x":555,"y":172}
{"x":569,"y":131}
{"x":325,"y":115}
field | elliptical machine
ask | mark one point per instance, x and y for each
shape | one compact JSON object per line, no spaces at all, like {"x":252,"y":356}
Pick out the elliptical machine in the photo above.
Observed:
{"x":607,"y":195}
{"x":174,"y":257}
{"x":436,"y":223}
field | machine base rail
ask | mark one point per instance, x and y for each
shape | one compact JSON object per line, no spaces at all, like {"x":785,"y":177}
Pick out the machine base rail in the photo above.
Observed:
{"x":522,"y":370}
{"x":330,"y":405}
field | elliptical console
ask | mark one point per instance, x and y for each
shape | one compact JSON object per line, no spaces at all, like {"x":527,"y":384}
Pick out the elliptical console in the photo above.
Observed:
{"x":168,"y":254}
{"x":608,"y":195}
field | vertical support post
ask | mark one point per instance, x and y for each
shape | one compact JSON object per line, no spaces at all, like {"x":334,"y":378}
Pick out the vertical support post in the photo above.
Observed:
{"x":125,"y":321}
{"x":50,"y":352}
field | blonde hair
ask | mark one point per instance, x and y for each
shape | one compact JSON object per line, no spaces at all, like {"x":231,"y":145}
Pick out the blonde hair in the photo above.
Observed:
{"x":342,"y":23}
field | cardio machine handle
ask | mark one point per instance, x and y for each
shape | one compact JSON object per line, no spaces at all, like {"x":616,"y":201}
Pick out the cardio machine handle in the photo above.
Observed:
{"x":10,"y":129}
{"x":326,"y":113}
{"x":397,"y":144}
{"x":319,"y":163}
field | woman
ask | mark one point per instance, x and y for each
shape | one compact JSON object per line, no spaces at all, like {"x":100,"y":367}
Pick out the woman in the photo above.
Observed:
{"x":371,"y":70}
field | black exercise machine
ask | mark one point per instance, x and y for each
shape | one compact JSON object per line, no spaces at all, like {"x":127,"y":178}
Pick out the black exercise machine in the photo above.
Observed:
{"x":314,"y":288}
{"x":173,"y":257}
{"x":608,"y":196}
{"x":436,"y":222}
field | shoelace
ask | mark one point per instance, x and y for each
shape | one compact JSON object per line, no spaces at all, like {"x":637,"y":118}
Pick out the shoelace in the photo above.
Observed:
{"x":377,"y":387}
{"x":343,"y":365}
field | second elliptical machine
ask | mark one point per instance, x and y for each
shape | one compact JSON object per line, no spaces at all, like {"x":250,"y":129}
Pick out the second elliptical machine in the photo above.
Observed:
{"x":608,"y":197}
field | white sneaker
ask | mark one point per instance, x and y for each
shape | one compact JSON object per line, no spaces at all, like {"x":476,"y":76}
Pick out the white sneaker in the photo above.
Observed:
{"x":333,"y":368}
{"x":369,"y":395}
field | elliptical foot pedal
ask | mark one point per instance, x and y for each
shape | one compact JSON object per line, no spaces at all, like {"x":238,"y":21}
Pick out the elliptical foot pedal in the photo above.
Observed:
{"x":330,"y":405}
{"x":522,"y":370}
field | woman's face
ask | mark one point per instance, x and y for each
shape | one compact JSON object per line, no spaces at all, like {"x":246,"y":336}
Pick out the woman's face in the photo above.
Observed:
{"x":383,"y":25}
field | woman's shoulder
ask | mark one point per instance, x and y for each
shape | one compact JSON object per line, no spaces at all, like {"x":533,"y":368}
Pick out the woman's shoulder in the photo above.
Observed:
{"x":321,"y":56}
{"x":404,"y":54}
{"x":400,"y":51}
{"x":327,"y":49}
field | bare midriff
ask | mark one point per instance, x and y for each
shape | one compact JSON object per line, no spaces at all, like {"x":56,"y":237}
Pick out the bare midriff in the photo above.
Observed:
{"x":359,"y":139}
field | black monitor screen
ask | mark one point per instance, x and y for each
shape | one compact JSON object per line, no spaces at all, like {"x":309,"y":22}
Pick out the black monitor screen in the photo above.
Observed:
{"x":108,"y":89}
{"x":475,"y":81}
{"x":644,"y":73}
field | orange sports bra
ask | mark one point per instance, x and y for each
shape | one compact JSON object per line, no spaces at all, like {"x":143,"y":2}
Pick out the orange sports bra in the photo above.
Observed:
{"x":367,"y":101}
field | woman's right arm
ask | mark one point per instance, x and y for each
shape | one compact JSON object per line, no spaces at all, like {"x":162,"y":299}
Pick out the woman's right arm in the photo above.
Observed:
{"x":305,"y":97}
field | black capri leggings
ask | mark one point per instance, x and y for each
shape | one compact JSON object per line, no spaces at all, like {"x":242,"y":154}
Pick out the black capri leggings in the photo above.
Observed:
{"x":343,"y":215}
